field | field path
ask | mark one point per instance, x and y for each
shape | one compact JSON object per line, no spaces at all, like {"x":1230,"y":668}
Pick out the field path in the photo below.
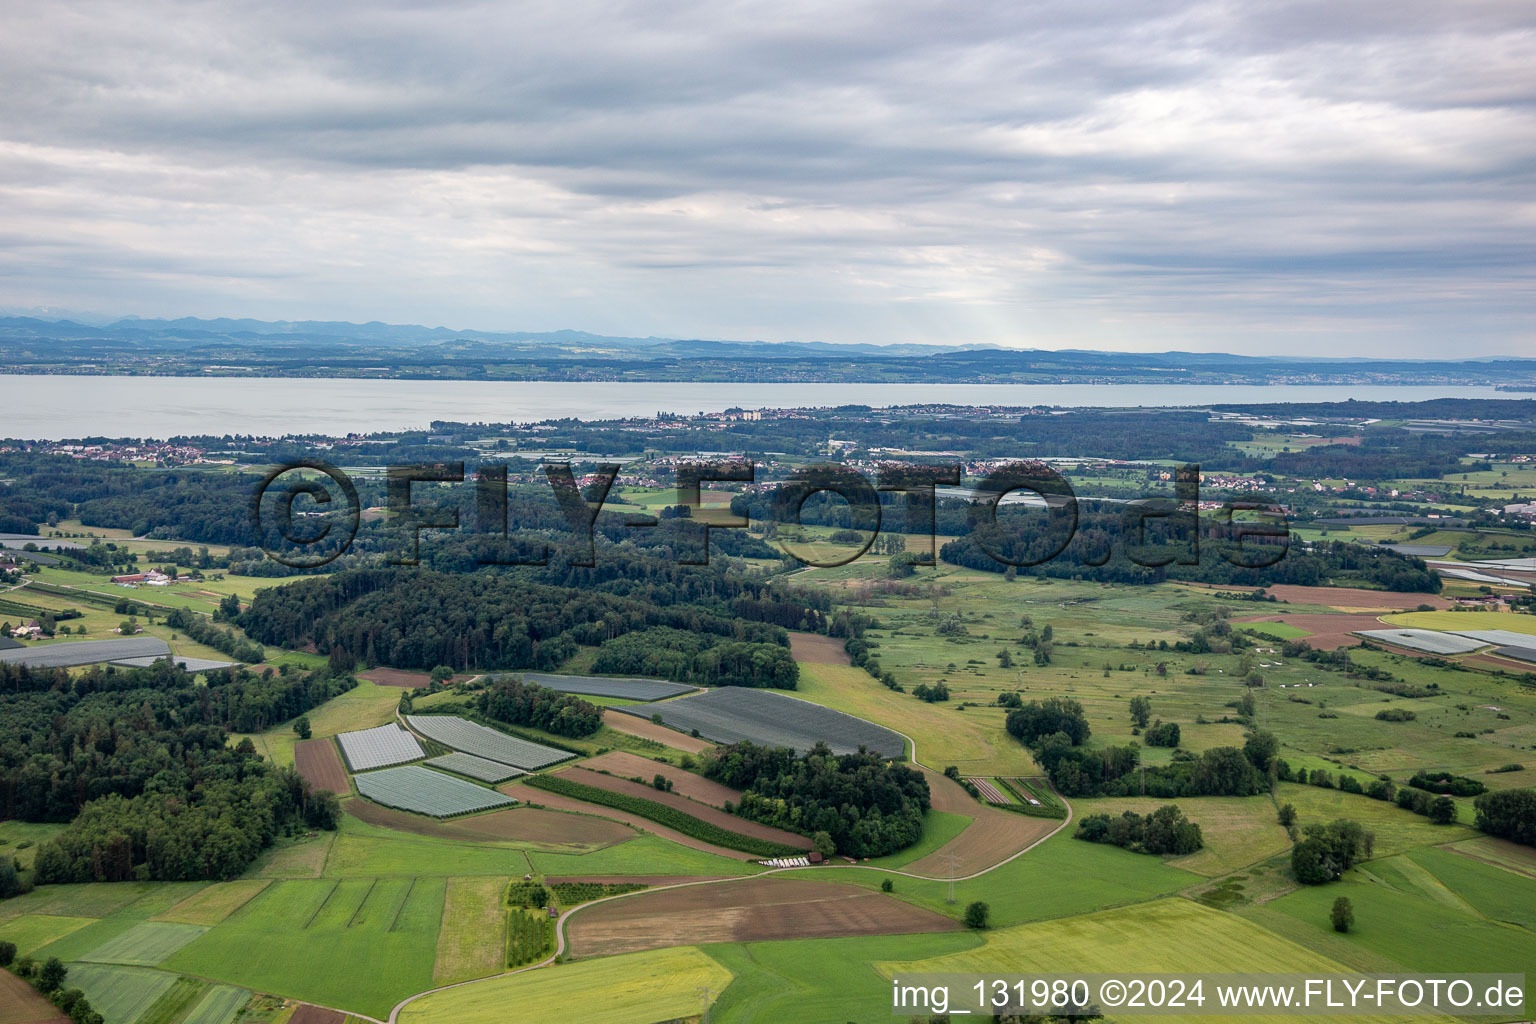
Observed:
{"x":560,"y":940}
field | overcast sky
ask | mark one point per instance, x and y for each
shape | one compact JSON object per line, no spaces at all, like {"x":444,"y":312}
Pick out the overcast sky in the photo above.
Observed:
{"x":1339,"y":178}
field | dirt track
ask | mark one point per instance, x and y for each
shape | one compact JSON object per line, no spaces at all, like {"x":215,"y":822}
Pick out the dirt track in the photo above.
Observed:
{"x":695,"y":787}
{"x":749,"y":911}
{"x":529,"y":824}
{"x":320,"y":763}
{"x":647,"y":729}
{"x":703,"y":811}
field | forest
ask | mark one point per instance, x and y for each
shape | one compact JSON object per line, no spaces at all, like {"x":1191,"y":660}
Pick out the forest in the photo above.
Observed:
{"x":508,"y":620}
{"x":867,"y":806}
{"x":136,"y":760}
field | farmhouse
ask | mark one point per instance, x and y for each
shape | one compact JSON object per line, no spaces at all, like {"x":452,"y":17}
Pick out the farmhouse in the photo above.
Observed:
{"x":133,"y":577}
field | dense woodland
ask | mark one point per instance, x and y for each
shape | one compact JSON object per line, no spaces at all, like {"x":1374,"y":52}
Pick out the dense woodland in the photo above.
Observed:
{"x":422,"y":618}
{"x":137,"y":760}
{"x":518,"y":703}
{"x":867,"y":805}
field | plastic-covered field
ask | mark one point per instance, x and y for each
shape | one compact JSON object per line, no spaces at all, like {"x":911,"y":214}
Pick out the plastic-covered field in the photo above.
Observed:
{"x":86,"y":652}
{"x":473,"y":738}
{"x":1518,"y":653}
{"x":377,"y":748}
{"x":734,"y":713}
{"x":1500,"y":637}
{"x":1428,"y":640}
{"x":414,"y":788}
{"x":474,"y":767}
{"x":602,"y":686}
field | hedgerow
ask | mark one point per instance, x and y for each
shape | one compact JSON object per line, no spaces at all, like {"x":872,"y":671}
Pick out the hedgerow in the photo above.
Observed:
{"x":671,"y":817}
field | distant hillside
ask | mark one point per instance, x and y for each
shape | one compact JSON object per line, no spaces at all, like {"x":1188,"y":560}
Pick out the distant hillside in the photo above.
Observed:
{"x":312,"y":348}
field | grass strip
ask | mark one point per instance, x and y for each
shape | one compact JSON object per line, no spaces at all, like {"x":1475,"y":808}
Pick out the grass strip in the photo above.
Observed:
{"x":671,"y":817}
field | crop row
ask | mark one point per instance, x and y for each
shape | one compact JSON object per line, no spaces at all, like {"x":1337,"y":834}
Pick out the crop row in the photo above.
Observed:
{"x":530,"y":937}
{"x":1048,"y":807}
{"x":571,"y":893}
{"x":671,"y":817}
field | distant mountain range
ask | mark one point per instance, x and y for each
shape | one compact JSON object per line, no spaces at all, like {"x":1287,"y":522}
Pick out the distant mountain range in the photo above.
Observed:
{"x":312,"y":348}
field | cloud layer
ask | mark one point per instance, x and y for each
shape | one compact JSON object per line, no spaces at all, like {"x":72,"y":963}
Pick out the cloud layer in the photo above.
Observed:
{"x":1256,"y":177}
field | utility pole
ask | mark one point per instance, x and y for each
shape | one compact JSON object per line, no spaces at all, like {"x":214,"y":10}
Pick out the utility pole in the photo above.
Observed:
{"x":704,"y":992}
{"x":951,"y":858}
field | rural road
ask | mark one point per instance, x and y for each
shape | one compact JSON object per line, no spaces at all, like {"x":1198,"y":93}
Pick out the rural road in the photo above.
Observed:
{"x":564,"y":917}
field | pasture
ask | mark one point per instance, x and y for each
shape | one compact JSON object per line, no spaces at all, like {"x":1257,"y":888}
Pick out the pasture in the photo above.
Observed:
{"x":1238,"y":831}
{"x":469,"y":941}
{"x":1411,"y":929}
{"x":1060,"y":877}
{"x":640,"y":988}
{"x":364,"y":706}
{"x":1396,"y":830}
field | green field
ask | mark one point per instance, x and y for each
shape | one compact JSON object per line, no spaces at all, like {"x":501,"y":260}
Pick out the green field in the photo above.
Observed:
{"x":1466,"y":620}
{"x":643,"y":855}
{"x":1417,"y":932}
{"x":145,"y":944}
{"x":1060,"y":877}
{"x":1238,"y":831}
{"x":219,"y":1005}
{"x":640,"y":988}
{"x":939,"y":827}
{"x":1396,"y":830}
{"x":812,"y":981}
{"x":32,"y":932}
{"x":122,"y":995}
{"x":314,"y":938}
{"x":362,"y":707}
{"x":1164,"y":936}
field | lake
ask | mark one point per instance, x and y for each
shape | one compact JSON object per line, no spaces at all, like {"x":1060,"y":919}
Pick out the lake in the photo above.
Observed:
{"x":61,"y":407}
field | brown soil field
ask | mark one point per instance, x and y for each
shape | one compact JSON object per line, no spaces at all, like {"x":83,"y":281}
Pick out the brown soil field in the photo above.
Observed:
{"x":524,"y":824}
{"x":564,"y":803}
{"x":694,"y":787}
{"x":993,"y":836}
{"x":1348,"y":598}
{"x":646,"y":729}
{"x":405,"y":678}
{"x":20,"y":1003}
{"x":703,"y":811}
{"x":1329,"y":632}
{"x":307,"y":1014}
{"x":756,"y":910}
{"x":320,"y":763}
{"x":815,"y":649}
